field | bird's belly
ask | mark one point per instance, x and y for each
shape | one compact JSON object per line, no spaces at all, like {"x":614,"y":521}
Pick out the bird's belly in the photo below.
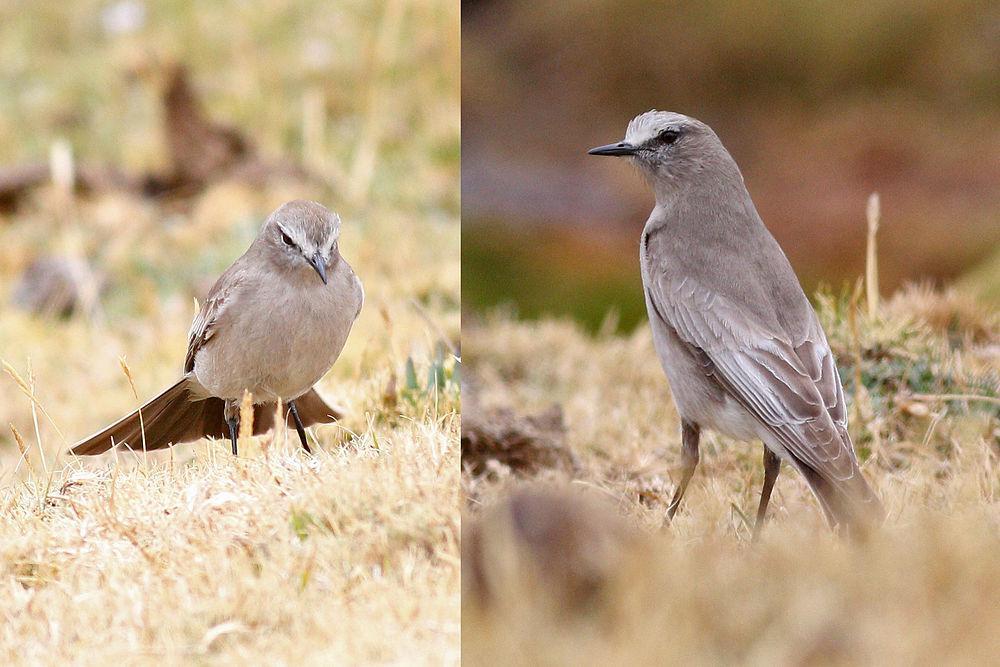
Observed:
{"x":698,"y":397}
{"x":700,"y":400}
{"x":732,"y":420}
{"x":272,"y":357}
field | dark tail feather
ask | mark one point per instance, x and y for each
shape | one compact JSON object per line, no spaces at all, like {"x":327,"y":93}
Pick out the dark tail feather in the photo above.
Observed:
{"x":174,"y":417}
{"x":167,"y":408}
{"x":314,"y":410}
{"x":851,"y":503}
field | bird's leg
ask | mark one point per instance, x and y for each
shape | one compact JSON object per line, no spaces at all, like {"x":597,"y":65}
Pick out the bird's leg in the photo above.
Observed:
{"x":299,"y":427}
{"x":234,"y":427}
{"x":772,"y":466}
{"x":690,"y":432}
{"x":231,"y":413}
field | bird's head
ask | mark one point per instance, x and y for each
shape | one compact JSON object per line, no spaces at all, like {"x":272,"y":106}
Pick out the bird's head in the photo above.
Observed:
{"x":303,"y":236}
{"x":667,"y":146}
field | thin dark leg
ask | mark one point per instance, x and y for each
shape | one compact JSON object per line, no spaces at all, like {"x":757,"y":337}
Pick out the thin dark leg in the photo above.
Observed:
{"x":772,"y":466}
{"x":299,"y":427}
{"x":234,"y":425}
{"x":690,"y":433}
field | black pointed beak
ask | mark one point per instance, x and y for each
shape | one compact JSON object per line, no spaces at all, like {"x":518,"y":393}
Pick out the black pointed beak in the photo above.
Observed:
{"x":319,"y":264}
{"x":621,"y":148}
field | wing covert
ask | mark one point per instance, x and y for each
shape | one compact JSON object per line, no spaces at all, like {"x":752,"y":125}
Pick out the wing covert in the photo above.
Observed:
{"x":791,"y":387}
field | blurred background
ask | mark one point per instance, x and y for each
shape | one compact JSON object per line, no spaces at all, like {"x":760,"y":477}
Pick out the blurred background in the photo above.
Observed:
{"x":142,"y":145}
{"x":820,"y":103}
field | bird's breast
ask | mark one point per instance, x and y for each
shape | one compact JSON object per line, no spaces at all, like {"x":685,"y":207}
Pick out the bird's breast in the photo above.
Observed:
{"x":279,"y":341}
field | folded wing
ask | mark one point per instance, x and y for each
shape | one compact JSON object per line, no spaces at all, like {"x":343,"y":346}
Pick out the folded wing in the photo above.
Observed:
{"x":791,"y":387}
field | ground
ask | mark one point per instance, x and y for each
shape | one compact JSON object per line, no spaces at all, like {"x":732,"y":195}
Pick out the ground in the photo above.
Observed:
{"x":612,"y":584}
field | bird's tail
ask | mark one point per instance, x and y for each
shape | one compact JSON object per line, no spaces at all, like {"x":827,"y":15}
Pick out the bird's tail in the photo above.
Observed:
{"x":172,"y":417}
{"x":178,"y":416}
{"x":310,"y":405}
{"x":849,"y":503}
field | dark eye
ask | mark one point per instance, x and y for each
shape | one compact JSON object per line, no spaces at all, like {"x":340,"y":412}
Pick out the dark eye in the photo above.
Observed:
{"x":287,"y":239}
{"x":668,"y":136}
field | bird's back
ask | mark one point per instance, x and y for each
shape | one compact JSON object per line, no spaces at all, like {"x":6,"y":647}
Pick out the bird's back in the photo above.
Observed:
{"x":732,"y":254}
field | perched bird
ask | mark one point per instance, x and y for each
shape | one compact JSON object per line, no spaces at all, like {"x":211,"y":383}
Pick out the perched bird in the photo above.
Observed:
{"x":273,"y":324}
{"x":739,"y":342}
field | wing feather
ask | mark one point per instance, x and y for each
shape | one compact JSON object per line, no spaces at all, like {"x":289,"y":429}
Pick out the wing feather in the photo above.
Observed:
{"x":790,"y":386}
{"x":202,"y":327}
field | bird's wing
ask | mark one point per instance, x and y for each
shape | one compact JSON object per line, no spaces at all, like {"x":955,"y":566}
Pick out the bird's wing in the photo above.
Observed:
{"x":790,"y":387}
{"x":203,"y":326}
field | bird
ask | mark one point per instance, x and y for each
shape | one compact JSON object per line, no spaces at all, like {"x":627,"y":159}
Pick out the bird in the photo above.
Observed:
{"x":273,"y":324}
{"x":741,"y":346}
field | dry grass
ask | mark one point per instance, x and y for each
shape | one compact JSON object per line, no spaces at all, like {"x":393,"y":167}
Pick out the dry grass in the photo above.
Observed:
{"x":697,"y":592}
{"x":348,"y":558}
{"x":191,"y":556}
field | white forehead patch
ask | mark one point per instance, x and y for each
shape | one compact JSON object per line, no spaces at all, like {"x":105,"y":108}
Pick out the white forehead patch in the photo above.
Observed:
{"x":334,"y":231}
{"x":645,"y":126}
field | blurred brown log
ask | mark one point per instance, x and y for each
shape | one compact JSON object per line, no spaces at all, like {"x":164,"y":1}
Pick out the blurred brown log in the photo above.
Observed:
{"x":201,"y":151}
{"x":17,"y":181}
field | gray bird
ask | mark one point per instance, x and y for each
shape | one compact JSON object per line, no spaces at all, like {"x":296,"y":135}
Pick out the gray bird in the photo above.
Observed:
{"x":739,"y":342}
{"x":273,"y":325}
